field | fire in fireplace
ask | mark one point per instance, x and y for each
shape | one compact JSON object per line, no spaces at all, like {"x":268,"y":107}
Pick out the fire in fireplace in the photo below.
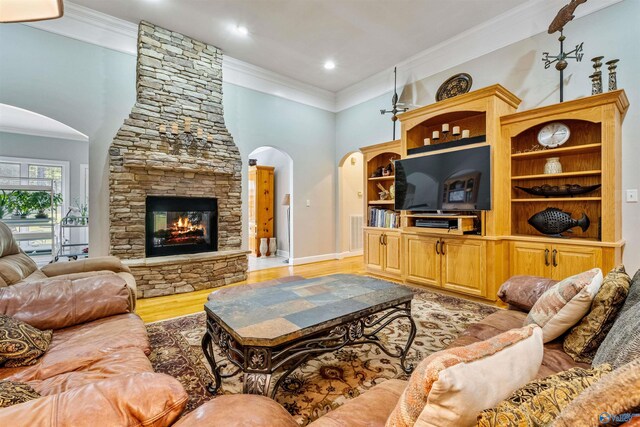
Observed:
{"x":181,"y":225}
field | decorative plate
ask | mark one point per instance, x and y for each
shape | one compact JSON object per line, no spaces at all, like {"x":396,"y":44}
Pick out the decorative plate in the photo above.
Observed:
{"x":454,"y":86}
{"x":547,"y":190}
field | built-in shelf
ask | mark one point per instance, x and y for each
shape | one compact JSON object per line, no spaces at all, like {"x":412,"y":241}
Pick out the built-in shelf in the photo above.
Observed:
{"x":557,"y":175}
{"x":578,"y":149}
{"x":383,"y":178}
{"x":558,"y":199}
{"x":381,"y":202}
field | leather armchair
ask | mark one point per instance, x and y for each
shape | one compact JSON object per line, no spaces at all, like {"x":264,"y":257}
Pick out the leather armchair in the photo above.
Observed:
{"x":16,"y":267}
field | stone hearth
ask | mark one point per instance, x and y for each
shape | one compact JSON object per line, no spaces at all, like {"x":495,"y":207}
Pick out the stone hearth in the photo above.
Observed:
{"x":177,"y":77}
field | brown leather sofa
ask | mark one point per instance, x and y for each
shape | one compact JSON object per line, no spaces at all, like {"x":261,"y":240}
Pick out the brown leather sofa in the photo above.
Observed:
{"x":374,"y":407}
{"x":96,"y":370}
{"x":16,"y":266}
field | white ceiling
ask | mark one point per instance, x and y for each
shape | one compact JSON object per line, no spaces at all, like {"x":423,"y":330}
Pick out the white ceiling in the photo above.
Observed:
{"x":295,"y":37}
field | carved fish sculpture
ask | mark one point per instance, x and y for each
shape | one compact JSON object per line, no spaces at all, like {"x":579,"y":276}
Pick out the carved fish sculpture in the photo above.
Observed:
{"x":564,"y":16}
{"x":553,"y":221}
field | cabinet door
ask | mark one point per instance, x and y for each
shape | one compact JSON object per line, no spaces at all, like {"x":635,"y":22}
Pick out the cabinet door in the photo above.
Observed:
{"x":373,"y":250}
{"x":570,"y":260}
{"x":530,"y":259}
{"x":463,"y":266}
{"x":392,"y":253}
{"x":422,"y":264}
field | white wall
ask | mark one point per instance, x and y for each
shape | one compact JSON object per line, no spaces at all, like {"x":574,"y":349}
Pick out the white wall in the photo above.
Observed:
{"x":613,"y":32}
{"x":351,"y":185}
{"x":282,"y":163}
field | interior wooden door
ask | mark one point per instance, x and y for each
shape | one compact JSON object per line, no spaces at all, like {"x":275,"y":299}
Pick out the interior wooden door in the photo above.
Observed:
{"x":374,"y":255}
{"x":568,"y":260}
{"x":464,"y":266}
{"x":530,"y":259}
{"x":392,"y":243}
{"x":422,"y":261}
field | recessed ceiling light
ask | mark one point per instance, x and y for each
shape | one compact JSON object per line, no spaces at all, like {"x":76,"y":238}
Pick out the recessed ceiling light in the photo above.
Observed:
{"x":329,"y":65}
{"x":242,"y":30}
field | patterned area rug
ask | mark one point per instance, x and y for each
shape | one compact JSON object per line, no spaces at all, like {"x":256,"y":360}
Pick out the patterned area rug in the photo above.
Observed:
{"x":326,"y":382}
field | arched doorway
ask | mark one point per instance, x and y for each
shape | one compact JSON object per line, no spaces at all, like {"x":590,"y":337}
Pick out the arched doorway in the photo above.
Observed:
{"x":44,"y":160}
{"x":282,"y":212}
{"x":350,"y":204}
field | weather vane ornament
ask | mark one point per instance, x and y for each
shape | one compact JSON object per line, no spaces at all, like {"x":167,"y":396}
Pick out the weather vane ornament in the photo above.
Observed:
{"x":564,"y":16}
{"x":394,"y":104}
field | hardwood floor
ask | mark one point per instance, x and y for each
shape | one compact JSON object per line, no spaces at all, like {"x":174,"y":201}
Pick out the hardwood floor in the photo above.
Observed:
{"x":160,"y":308}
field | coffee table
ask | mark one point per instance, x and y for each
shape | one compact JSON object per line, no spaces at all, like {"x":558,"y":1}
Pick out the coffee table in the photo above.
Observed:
{"x":264,"y":329}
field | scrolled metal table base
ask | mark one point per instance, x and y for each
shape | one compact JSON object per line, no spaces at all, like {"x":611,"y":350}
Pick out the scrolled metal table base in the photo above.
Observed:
{"x":260,"y":363}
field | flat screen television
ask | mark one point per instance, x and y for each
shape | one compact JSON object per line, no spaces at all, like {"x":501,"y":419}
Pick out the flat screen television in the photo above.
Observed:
{"x":456,"y":180}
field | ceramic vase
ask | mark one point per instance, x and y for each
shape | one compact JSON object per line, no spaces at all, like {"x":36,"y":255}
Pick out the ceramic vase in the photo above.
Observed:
{"x":264,"y":247}
{"x":553,"y":165}
{"x":273,"y":246}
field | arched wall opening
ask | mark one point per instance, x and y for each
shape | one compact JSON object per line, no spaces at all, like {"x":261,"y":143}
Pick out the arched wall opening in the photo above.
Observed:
{"x":37,"y":150}
{"x":283,"y":215}
{"x":350,"y":204}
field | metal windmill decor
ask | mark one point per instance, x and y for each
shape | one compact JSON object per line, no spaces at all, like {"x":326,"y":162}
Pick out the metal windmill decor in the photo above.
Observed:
{"x":564,"y":16}
{"x":394,"y":104}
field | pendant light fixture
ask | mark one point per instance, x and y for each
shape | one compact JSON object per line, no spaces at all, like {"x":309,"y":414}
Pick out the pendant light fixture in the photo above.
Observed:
{"x":30,"y":10}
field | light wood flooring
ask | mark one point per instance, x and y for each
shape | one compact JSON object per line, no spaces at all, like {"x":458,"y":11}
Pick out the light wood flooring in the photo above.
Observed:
{"x":160,"y":308}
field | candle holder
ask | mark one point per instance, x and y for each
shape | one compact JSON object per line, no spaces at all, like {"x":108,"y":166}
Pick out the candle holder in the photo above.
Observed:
{"x":596,"y":77}
{"x":185,"y":140}
{"x":613,"y":79}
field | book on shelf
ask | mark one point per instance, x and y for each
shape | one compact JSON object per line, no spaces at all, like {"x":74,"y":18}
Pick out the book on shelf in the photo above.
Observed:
{"x":383,"y":218}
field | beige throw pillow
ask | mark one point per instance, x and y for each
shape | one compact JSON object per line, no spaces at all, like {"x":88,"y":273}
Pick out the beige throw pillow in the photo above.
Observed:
{"x":450,"y":387}
{"x":565,"y":304}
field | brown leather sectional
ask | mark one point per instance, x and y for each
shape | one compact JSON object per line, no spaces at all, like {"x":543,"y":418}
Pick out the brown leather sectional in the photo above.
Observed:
{"x":373,"y":407}
{"x":96,"y":371}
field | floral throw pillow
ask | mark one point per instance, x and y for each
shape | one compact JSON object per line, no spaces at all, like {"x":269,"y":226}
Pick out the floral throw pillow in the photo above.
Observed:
{"x":583,"y":340}
{"x":21,"y":344}
{"x":540,"y":401}
{"x":12,"y":393}
{"x":565,"y":304}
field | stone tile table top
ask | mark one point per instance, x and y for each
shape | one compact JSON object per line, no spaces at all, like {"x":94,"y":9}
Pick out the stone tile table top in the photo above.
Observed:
{"x":268,"y":315}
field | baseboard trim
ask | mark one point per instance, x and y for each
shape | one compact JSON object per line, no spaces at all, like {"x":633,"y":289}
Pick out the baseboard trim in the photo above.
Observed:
{"x":314,"y":258}
{"x":284,"y":254}
{"x":350,"y":254}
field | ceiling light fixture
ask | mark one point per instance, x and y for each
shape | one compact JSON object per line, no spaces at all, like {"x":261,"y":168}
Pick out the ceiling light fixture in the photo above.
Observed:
{"x":30,"y":10}
{"x":329,"y":65}
{"x":242,"y":30}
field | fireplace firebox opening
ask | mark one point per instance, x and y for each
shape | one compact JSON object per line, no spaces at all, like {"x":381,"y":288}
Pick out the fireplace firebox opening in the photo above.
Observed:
{"x":180,"y":225}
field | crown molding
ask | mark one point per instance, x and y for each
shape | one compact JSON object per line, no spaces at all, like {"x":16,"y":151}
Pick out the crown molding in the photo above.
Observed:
{"x":243,"y":74}
{"x":88,"y":25}
{"x":519,"y":23}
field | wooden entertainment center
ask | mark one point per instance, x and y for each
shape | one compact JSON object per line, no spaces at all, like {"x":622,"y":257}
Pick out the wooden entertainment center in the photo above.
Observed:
{"x":481,"y":249}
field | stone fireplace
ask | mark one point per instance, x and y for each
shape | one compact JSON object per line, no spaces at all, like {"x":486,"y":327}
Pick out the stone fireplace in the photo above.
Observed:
{"x":175,"y":215}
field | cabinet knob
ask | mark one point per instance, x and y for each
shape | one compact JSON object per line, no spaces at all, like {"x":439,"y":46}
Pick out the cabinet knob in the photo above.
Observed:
{"x":442,"y":246}
{"x":438,"y":244}
{"x":546,"y":257}
{"x":554,"y":258}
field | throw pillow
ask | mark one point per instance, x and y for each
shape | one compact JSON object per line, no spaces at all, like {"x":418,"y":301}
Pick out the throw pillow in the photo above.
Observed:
{"x":12,"y":393}
{"x":585,"y":338}
{"x":565,"y":303}
{"x":20,"y":343}
{"x":451,"y":386}
{"x":633,"y":297}
{"x":616,"y":394}
{"x":540,"y":401}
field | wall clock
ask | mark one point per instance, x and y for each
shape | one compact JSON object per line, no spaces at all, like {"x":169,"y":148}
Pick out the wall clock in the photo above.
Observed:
{"x":553,"y":135}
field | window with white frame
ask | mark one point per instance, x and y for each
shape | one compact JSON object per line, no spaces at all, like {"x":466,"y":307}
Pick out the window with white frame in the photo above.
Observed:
{"x":55,"y":170}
